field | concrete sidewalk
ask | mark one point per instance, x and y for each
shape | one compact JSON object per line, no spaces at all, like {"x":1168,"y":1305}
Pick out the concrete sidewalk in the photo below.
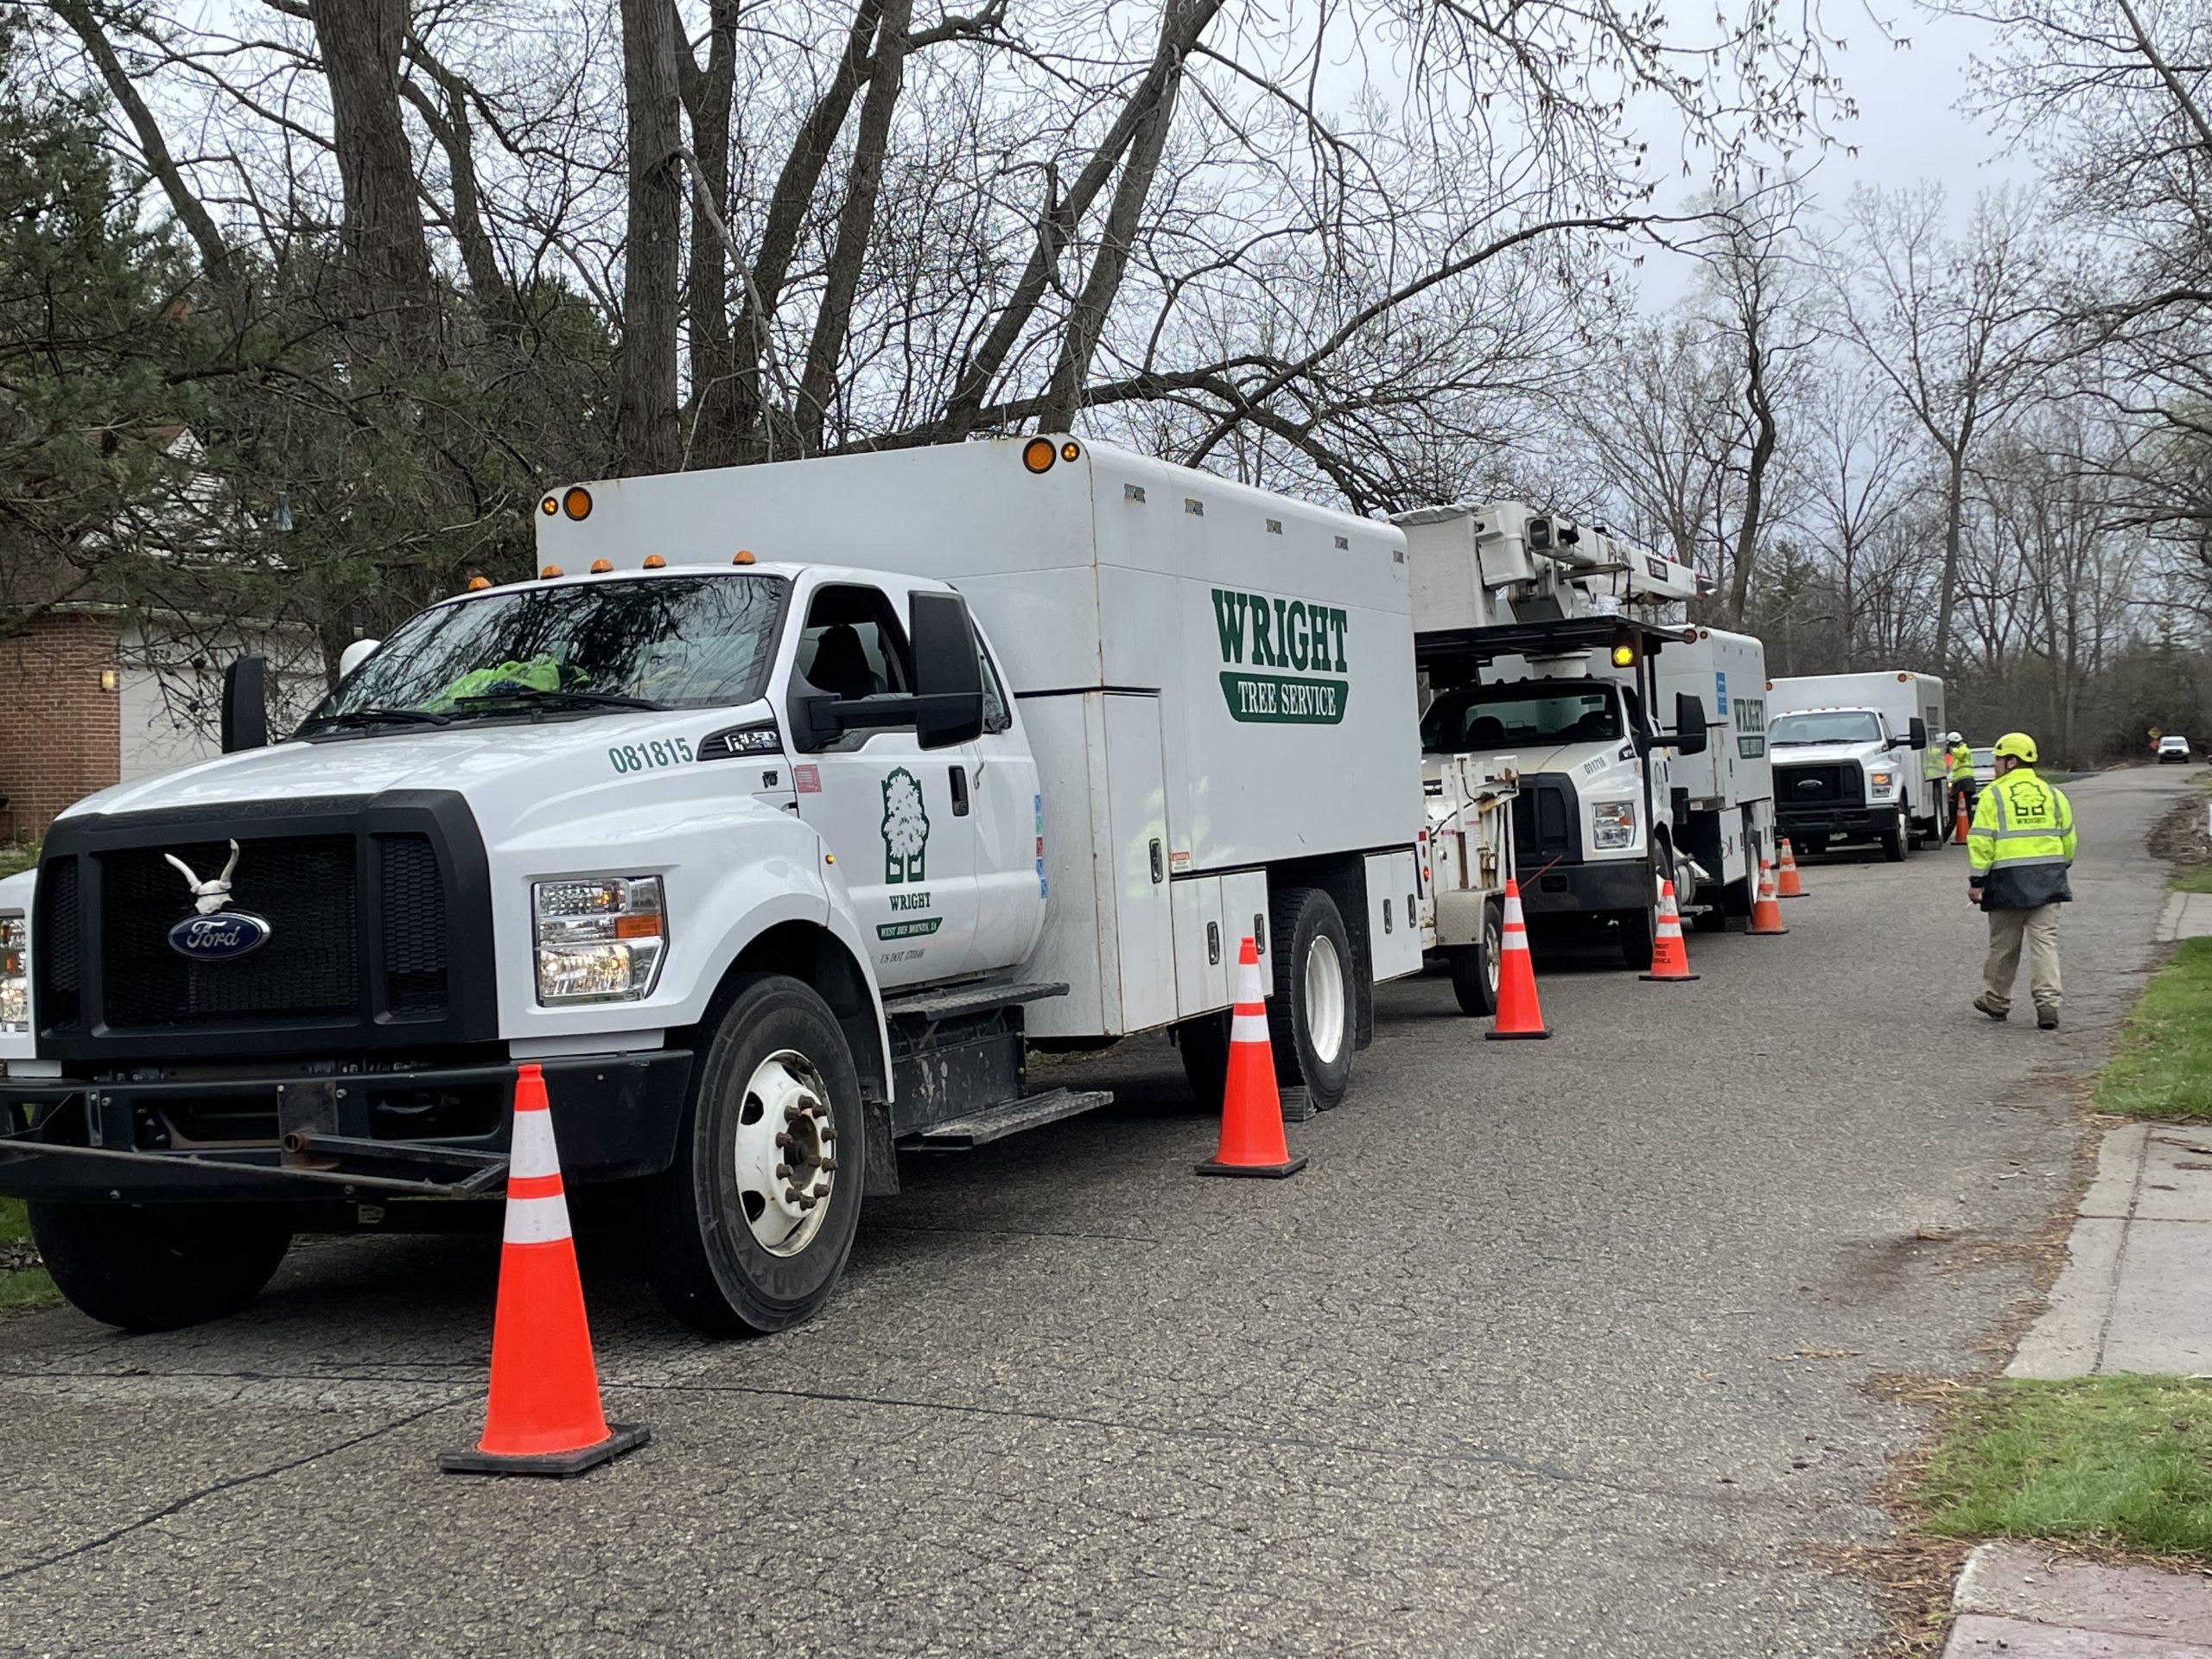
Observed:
{"x":2136,"y":1296}
{"x":2188,"y":916}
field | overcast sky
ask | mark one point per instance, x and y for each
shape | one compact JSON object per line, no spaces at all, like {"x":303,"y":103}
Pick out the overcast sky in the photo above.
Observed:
{"x":1910,"y":127}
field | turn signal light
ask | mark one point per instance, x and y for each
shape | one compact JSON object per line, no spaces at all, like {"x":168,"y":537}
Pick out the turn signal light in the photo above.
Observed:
{"x":1624,"y":656}
{"x":1037,"y":455}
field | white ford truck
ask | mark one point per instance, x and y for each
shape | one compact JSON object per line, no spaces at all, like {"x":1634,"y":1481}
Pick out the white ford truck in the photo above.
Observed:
{"x":775,"y":820}
{"x":1852,"y":760}
{"x":1538,"y":657}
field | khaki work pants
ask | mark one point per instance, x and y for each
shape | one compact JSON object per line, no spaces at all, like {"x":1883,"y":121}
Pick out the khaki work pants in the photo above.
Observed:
{"x":2008,"y":930}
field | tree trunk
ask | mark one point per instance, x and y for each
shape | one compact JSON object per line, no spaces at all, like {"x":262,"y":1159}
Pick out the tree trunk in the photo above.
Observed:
{"x":855,"y":222}
{"x":1754,"y":480}
{"x":1954,"y":513}
{"x":386,"y":252}
{"x":645,"y":433}
{"x":717,"y":436}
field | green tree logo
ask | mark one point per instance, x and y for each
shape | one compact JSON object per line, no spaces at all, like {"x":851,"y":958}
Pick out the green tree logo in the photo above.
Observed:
{"x":905,"y":826}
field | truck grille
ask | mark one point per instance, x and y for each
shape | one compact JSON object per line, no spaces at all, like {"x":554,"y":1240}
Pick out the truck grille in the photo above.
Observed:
{"x":1546,"y":823}
{"x":1818,"y":785}
{"x":304,"y":888}
{"x":366,"y":903}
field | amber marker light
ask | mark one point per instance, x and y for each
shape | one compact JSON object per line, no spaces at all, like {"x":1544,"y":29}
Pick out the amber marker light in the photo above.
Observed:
{"x":601,"y":567}
{"x":654,"y":561}
{"x":552,"y":571}
{"x":741,"y":557}
{"x":1037,"y":455}
{"x":477,"y":584}
{"x":576,"y":503}
{"x":549,"y":505}
{"x":1070,"y":451}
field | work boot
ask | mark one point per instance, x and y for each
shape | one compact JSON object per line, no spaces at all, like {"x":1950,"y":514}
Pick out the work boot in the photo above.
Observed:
{"x":1985,"y":1006}
{"x":2046,"y":1019}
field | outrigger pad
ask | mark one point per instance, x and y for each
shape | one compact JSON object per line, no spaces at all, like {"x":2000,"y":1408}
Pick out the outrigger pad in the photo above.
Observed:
{"x":622,"y":1437}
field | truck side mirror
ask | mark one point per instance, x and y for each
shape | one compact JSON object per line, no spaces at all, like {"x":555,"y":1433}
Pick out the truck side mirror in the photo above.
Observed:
{"x":1691,"y":736}
{"x":245,"y":704}
{"x":948,"y":670}
{"x":1916,"y":731}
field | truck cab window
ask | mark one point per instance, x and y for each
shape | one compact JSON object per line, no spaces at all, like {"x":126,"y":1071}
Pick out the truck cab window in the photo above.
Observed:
{"x":996,"y":716}
{"x":1476,"y":718}
{"x":853,"y":644}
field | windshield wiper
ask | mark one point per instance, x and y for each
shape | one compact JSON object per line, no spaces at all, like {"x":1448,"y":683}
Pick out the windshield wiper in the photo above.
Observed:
{"x":376,"y":717}
{"x":538,"y":697}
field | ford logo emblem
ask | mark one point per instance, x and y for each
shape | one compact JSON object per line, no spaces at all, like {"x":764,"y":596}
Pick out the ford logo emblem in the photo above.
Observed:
{"x":220,"y":938}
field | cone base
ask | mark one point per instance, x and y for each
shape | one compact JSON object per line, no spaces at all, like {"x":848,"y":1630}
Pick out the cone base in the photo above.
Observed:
{"x":1764,"y":932}
{"x":1273,"y":1172}
{"x":560,"y":1465}
{"x":1540,"y":1033}
{"x":1669,"y":979}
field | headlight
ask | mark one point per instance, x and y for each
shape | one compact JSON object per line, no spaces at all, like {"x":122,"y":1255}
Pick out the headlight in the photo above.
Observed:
{"x":1882,"y":780}
{"x":14,"y":976}
{"x":599,"y":940}
{"x":1615,"y":821}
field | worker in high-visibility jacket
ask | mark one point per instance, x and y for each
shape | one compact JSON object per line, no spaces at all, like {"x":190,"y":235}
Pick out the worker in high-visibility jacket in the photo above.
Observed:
{"x":2020,"y":847}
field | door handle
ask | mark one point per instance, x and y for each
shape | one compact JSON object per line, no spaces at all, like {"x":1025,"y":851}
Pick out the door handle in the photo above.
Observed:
{"x":960,"y":791}
{"x":1159,"y":869}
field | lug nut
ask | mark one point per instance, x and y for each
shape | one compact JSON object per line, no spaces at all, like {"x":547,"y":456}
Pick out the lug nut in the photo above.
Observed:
{"x":783,"y":1172}
{"x":823,"y":1191}
{"x":829,"y":1165}
{"x":782,"y":1140}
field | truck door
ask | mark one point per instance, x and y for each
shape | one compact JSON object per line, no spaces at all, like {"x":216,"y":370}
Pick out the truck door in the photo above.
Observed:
{"x":1009,"y":813}
{"x":899,"y":818}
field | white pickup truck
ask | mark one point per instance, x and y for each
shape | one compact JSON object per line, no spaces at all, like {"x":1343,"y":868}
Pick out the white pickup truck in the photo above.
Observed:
{"x":1853,"y":760}
{"x":775,"y":819}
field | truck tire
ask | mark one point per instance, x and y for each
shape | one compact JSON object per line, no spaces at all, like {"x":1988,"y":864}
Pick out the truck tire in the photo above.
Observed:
{"x":774,"y":1109}
{"x":1314,"y":1010}
{"x":159,"y":1267}
{"x":1639,"y":929}
{"x":1894,"y":835}
{"x":1204,"y":1044}
{"x":1475,"y":967}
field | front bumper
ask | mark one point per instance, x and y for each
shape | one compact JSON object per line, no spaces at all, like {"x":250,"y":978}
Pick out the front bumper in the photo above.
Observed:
{"x":1588,"y":889}
{"x":306,"y":1137}
{"x":1854,"y":820}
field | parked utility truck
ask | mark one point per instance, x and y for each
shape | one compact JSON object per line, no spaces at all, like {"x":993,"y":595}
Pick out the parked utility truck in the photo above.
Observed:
{"x":1853,"y":760}
{"x":775,"y":820}
{"x":1539,"y":652}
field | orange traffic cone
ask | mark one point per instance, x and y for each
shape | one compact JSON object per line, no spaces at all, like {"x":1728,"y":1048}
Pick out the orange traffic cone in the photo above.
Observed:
{"x":1251,"y":1109}
{"x":1518,"y":1014}
{"x":1787,"y":886}
{"x":1670,"y":958}
{"x":544,"y":1417}
{"x":1961,"y":823}
{"x":1766,"y":909}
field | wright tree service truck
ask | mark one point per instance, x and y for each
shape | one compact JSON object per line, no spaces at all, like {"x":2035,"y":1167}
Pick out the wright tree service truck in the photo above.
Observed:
{"x":775,"y":820}
{"x":1533,"y":657}
{"x":1858,"y":757}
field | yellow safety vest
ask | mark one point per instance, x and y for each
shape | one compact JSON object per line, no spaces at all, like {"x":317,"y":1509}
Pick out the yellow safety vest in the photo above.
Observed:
{"x":2021,"y":843}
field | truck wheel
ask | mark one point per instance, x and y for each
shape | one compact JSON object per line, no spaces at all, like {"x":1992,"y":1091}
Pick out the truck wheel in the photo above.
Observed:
{"x":1312,"y":1012}
{"x":1204,"y":1044}
{"x":159,"y":1267}
{"x":1893,"y":838}
{"x":752,"y":1223}
{"x":1475,"y":967}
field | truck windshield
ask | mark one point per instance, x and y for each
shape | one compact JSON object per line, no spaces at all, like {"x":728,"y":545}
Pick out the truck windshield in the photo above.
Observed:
{"x":1483,"y":717}
{"x":656,"y":642}
{"x":1832,"y":726}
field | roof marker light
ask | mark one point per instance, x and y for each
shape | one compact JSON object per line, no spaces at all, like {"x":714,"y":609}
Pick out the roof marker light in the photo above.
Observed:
{"x":576,"y":502}
{"x":477,"y":584}
{"x":1037,"y":455}
{"x":743,"y":555}
{"x":654,"y":561}
{"x":552,"y":571}
{"x":1070,"y":451}
{"x":601,"y":567}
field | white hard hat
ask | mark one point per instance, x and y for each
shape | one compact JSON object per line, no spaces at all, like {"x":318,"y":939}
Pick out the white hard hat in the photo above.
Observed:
{"x":1955,"y":738}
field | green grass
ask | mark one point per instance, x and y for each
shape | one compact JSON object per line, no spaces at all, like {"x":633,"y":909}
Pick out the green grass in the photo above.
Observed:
{"x":22,"y":1289}
{"x":2192,"y":878}
{"x":2118,"y":1460}
{"x":2162,"y":1066}
{"x":20,"y":857}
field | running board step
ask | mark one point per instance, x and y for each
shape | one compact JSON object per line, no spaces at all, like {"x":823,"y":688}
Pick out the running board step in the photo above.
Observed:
{"x":996,"y":1123}
{"x":967,"y":999}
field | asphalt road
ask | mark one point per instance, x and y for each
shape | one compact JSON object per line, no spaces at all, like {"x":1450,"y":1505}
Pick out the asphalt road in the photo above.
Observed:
{"x":1555,"y":1349}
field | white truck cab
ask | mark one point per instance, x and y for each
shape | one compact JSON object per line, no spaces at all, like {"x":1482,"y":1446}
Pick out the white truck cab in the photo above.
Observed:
{"x":1633,"y":763}
{"x":1853,"y":760}
{"x":772,"y":819}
